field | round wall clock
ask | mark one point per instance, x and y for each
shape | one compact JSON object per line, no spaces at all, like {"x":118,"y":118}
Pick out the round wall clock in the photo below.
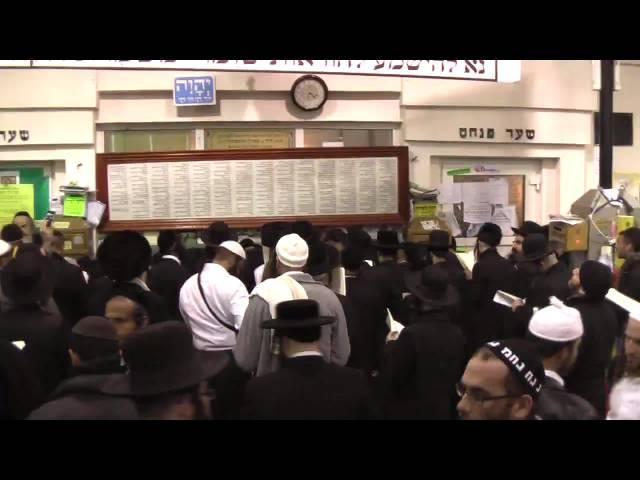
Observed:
{"x":309,"y":93}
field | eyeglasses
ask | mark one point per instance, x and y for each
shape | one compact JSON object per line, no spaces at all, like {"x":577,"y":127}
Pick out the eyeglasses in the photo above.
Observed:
{"x":478,"y":397}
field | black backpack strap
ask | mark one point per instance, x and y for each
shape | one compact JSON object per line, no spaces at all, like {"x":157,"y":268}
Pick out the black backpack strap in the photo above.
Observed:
{"x":224,"y":324}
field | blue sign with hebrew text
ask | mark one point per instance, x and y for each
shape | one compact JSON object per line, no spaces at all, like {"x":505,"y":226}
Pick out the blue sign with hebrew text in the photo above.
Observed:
{"x":194,"y":91}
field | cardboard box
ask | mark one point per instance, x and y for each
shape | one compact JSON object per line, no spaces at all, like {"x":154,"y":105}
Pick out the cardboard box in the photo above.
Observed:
{"x":572,"y":238}
{"x":420,"y":228}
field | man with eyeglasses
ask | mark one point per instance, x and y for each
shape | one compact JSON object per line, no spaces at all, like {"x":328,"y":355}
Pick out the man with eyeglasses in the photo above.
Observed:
{"x":502,"y":381}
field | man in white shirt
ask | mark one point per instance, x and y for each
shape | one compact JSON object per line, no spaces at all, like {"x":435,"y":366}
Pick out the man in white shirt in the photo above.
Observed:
{"x":213,"y":302}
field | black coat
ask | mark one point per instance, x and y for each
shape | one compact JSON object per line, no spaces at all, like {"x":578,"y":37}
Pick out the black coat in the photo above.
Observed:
{"x":421,"y":369}
{"x":553,"y":282}
{"x":309,"y":388}
{"x":389,"y":279}
{"x":166,"y":278}
{"x":20,"y":390}
{"x":367,"y":328}
{"x":555,"y":403}
{"x":46,"y":338}
{"x":154,"y":303}
{"x":629,"y":279}
{"x":70,"y":290}
{"x":491,"y":273}
{"x":587,"y":379}
{"x":80,"y":399}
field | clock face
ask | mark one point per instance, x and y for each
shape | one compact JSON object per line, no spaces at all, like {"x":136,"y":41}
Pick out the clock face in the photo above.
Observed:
{"x":309,"y":93}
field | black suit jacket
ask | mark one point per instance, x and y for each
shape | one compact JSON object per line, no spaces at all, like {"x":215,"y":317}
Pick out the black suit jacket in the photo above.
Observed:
{"x":368,"y":330}
{"x":154,"y":303}
{"x":491,"y":273}
{"x":389,"y":278}
{"x":555,"y":403}
{"x":587,"y":379}
{"x":46,"y":338}
{"x":422,"y":367}
{"x":70,"y":290}
{"x":309,"y":388}
{"x":166,"y":278}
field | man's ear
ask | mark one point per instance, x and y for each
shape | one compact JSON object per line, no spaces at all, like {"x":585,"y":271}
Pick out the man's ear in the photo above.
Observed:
{"x":522,"y":407}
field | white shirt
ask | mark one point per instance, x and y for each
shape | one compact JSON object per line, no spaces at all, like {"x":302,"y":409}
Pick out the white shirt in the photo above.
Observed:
{"x":258,"y":272}
{"x":227,"y":297}
{"x":555,"y":376}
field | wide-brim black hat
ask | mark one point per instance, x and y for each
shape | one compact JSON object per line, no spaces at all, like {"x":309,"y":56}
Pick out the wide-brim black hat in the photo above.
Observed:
{"x":387,"y":239}
{"x":161,"y":359}
{"x":271,"y":232}
{"x":322,"y":258}
{"x":297,"y":314}
{"x":527,"y":228}
{"x":535,"y":247}
{"x":415,"y":283}
{"x":27,"y":279}
{"x":216,"y":233}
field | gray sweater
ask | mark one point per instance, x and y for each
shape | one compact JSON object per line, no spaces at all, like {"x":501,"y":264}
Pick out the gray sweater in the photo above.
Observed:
{"x":253,"y":345}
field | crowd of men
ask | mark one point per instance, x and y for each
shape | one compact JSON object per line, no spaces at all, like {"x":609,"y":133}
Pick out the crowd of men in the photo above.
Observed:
{"x":298,"y":327}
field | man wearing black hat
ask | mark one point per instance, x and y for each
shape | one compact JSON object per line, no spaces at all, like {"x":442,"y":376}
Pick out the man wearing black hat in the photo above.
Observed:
{"x":587,"y":379}
{"x":388,"y":274}
{"x":358,"y":238}
{"x":127,"y":313}
{"x":95,"y":353}
{"x":502,"y":381}
{"x":527,"y":228}
{"x":168,"y":274}
{"x":423,"y":365}
{"x":491,"y":273}
{"x":125,"y":257}
{"x":368,"y":328}
{"x":628,"y":248}
{"x":440,"y":244}
{"x":12,"y":234}
{"x":306,"y":387}
{"x":167,"y":377}
{"x":70,"y":289}
{"x":27,"y":282}
{"x":552,"y":280}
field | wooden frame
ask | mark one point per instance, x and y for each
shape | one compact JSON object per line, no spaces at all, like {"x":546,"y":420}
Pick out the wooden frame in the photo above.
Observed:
{"x":103,"y":160}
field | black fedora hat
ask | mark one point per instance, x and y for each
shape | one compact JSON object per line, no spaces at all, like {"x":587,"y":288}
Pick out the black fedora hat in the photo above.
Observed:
{"x":27,"y":279}
{"x":387,"y":239}
{"x":432,"y":287}
{"x":161,"y":359}
{"x":271,"y":232}
{"x":216,"y":233}
{"x":439,"y":240}
{"x":297,"y":314}
{"x":535,"y":247}
{"x":528,"y":228}
{"x":322,"y":258}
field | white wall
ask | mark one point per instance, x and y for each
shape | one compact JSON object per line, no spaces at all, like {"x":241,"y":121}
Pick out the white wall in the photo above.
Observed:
{"x":64,"y":108}
{"x":627,"y":99}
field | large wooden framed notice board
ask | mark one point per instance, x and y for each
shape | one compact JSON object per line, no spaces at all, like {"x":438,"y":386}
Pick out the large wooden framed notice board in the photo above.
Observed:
{"x":246,"y":188}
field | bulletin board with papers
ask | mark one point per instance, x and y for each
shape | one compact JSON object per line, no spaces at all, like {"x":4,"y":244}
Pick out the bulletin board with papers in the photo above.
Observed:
{"x":472,"y":200}
{"x":246,"y":188}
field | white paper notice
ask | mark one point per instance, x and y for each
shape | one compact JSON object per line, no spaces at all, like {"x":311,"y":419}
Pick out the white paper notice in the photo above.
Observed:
{"x":477,"y":212}
{"x":222,"y":188}
{"x":284,"y":181}
{"x":392,"y":324}
{"x":326,"y":201}
{"x":118,"y":192}
{"x":450,"y":193}
{"x":475,"y":193}
{"x":504,"y":217}
{"x":450,"y":219}
{"x":386,"y":185}
{"x":506,"y":299}
{"x":498,"y":191}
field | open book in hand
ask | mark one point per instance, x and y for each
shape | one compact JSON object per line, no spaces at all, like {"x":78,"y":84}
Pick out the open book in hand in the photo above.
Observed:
{"x":506,"y":299}
{"x":467,"y":259}
{"x":620,"y":299}
{"x":393,"y":325}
